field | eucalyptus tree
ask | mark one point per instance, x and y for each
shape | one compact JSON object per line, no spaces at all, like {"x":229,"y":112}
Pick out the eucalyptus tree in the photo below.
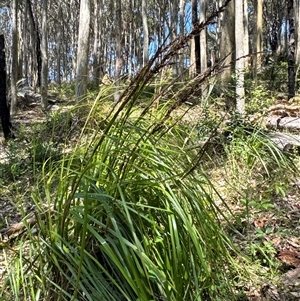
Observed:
{"x":246,"y":31}
{"x":291,"y":49}
{"x":118,"y":47}
{"x":73,"y":32}
{"x":227,"y":41}
{"x":297,"y":30}
{"x":36,"y":43}
{"x":258,"y":47}
{"x":239,"y":51}
{"x":274,"y":14}
{"x":44,"y":52}
{"x":145,"y":33}
{"x":96,"y":57}
{"x":195,"y":43}
{"x":203,"y":43}
{"x":14,"y":58}
{"x":83,"y":50}
{"x":4,"y":111}
{"x":181,"y":31}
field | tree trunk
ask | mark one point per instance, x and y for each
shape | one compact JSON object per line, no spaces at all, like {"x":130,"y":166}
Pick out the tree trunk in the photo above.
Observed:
{"x":20,"y":43}
{"x":44,"y":51}
{"x":83,"y":50}
{"x":239,"y":62}
{"x":4,"y":111}
{"x":118,"y":62}
{"x":96,"y":46}
{"x":297,"y":31}
{"x":14,"y":58}
{"x":59,"y":30}
{"x":145,"y":33}
{"x":37,"y":42}
{"x":203,"y":46}
{"x":195,"y":21}
{"x":246,"y":31}
{"x":227,"y":42}
{"x":181,"y":32}
{"x":258,"y":38}
{"x":291,"y":50}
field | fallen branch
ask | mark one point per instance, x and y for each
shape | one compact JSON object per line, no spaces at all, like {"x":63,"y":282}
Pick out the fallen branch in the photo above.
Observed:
{"x":288,"y":123}
{"x":285,"y":141}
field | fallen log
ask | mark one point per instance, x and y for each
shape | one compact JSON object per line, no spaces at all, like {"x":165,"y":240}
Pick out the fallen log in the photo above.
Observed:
{"x":285,"y":141}
{"x":288,"y":123}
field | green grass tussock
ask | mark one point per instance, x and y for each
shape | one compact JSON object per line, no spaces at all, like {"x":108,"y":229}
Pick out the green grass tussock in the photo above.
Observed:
{"x":126,"y":220}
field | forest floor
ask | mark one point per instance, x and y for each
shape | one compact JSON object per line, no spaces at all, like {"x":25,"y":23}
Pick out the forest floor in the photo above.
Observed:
{"x":269,"y":232}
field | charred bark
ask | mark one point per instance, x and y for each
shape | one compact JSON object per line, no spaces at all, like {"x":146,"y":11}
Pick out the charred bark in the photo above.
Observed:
{"x":4,"y":110}
{"x":195,"y":21}
{"x":291,"y":50}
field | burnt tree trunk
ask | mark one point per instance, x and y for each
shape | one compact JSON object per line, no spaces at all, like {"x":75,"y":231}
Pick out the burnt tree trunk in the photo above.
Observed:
{"x":4,"y":110}
{"x":195,"y":21}
{"x":291,"y":50}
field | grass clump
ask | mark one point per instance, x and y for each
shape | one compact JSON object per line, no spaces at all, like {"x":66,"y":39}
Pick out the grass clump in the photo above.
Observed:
{"x":127,"y":220}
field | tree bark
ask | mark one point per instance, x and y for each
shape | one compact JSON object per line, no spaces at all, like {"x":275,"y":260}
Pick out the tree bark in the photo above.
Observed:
{"x":195,"y":21}
{"x":181,"y":32}
{"x":59,"y":29}
{"x":44,"y":52}
{"x":246,"y":32}
{"x":98,"y":51}
{"x":227,"y":40}
{"x":14,"y":58}
{"x":83,"y":50}
{"x":4,"y":110}
{"x":239,"y":61}
{"x":119,"y":61}
{"x":145,"y":33}
{"x":203,"y":46}
{"x":258,"y":38}
{"x":37,"y":41}
{"x":297,"y":31}
{"x":291,"y":50}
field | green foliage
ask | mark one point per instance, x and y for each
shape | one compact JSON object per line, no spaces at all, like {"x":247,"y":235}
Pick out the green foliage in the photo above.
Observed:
{"x":275,"y":75}
{"x":258,"y":99}
{"x":129,"y":219}
{"x":253,"y":149}
{"x":15,"y":164}
{"x":25,"y":155}
{"x":263,"y":251}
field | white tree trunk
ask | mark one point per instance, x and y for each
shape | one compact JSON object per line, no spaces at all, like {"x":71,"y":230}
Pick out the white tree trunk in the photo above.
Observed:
{"x":145,"y":33}
{"x":59,"y":46}
{"x":239,"y":63}
{"x":203,"y":46}
{"x":96,"y":46}
{"x":258,"y":38}
{"x":181,"y":31}
{"x":83,"y":50}
{"x":119,"y":61}
{"x":44,"y":52}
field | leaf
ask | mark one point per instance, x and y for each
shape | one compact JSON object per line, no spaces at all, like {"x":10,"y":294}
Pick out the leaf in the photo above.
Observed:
{"x":291,"y":258}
